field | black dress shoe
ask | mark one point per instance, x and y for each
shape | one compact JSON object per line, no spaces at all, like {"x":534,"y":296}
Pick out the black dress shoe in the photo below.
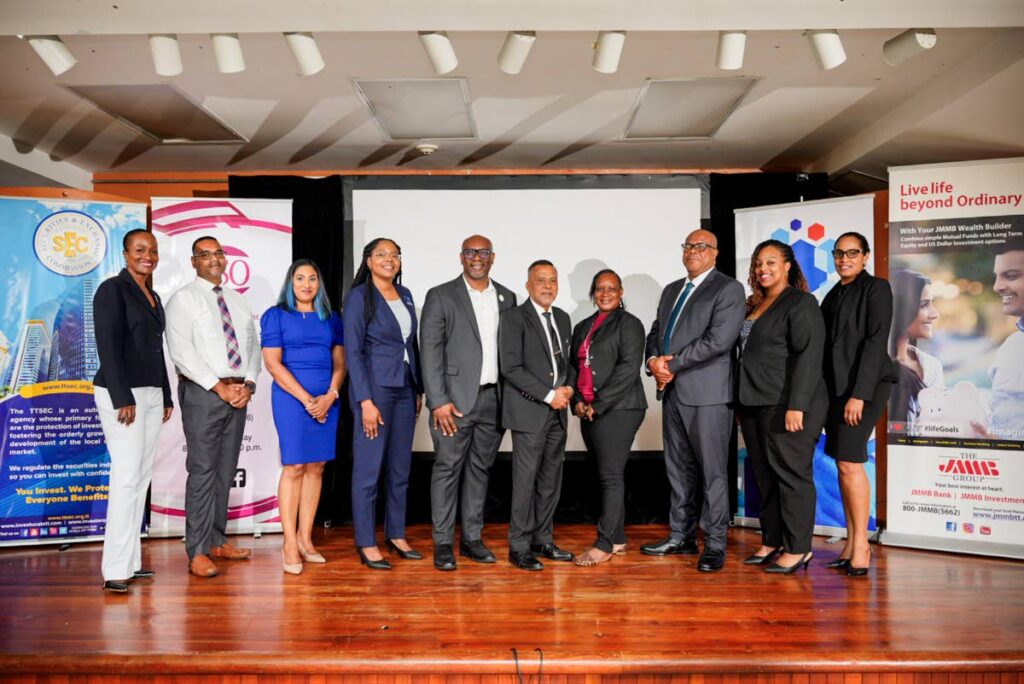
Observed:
{"x":116,"y":586}
{"x":754,"y":559}
{"x":838,"y":564}
{"x":670,"y":546}
{"x":411,"y":554}
{"x":381,"y":564}
{"x":711,"y":561}
{"x":476,"y":551}
{"x":143,"y":574}
{"x":444,"y":557}
{"x":552,"y":552}
{"x":524,"y":560}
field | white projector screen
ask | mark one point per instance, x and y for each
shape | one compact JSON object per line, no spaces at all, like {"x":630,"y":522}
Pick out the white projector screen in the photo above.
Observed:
{"x":636,"y":232}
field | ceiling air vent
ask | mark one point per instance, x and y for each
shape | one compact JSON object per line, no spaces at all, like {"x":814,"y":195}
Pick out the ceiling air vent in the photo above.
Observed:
{"x":685,"y":108}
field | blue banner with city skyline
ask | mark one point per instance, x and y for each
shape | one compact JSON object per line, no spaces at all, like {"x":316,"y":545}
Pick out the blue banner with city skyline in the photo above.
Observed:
{"x":54,"y":464}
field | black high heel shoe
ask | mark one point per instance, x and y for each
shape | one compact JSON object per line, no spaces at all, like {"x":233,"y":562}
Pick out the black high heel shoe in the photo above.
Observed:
{"x":381,"y":564}
{"x":838,"y":564}
{"x":854,"y":571}
{"x":776,"y":569}
{"x":754,"y":559}
{"x":411,"y":554}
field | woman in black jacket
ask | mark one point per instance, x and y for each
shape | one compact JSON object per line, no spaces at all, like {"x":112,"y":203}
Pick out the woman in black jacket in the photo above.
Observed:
{"x":607,"y":353}
{"x":858,"y":375}
{"x":133,"y":399}
{"x":782,"y":402}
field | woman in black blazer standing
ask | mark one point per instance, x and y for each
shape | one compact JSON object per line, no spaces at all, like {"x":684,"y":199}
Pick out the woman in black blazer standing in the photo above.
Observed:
{"x":858,"y":375}
{"x":133,"y":399}
{"x":782,"y":403}
{"x":607,"y":353}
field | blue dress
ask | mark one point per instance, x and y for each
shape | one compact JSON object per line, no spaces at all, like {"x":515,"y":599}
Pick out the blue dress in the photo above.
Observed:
{"x":305,"y":342}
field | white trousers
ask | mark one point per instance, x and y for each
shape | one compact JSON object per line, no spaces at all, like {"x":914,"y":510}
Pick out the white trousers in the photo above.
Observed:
{"x":132,"y":450}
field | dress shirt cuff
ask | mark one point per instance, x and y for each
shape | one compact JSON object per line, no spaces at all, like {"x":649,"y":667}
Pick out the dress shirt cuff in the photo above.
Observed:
{"x":549,"y":397}
{"x":206,"y":382}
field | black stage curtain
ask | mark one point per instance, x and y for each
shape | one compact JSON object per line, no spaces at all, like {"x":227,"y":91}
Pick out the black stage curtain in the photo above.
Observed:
{"x":318,"y":210}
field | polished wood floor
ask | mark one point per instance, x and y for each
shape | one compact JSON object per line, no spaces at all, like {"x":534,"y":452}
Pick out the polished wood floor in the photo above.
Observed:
{"x":919,"y":618}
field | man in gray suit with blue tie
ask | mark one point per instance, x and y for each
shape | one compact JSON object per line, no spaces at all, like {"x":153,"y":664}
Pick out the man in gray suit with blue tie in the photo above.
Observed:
{"x":690,"y":354}
{"x":459,"y":360}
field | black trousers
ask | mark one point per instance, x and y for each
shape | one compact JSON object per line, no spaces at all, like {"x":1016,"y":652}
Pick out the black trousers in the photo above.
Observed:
{"x":537,"y":459}
{"x":609,"y":438}
{"x":783,"y":464}
{"x":466,"y":456}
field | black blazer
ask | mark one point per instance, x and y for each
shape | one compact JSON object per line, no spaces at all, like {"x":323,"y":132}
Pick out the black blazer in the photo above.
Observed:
{"x":781,"y":364}
{"x":857,"y":321}
{"x":616,"y":356}
{"x":129,"y":340}
{"x":525,"y":365}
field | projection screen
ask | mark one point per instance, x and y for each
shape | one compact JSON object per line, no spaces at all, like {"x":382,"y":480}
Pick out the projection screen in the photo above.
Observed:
{"x":636,"y":231}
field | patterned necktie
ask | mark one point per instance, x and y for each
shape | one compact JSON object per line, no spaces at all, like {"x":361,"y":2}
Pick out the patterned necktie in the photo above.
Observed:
{"x":234,"y":357}
{"x":674,"y":318}
{"x":557,"y":348}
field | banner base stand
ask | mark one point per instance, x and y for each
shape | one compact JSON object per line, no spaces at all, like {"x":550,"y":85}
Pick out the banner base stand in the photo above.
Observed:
{"x":971,"y":546}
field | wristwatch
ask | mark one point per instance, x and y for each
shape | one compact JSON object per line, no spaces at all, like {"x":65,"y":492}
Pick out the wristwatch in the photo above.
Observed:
{"x":251,"y":385}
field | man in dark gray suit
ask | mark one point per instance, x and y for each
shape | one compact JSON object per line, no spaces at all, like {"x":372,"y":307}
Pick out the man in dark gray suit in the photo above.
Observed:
{"x":533,"y":347}
{"x":459,"y":358}
{"x":690,"y":354}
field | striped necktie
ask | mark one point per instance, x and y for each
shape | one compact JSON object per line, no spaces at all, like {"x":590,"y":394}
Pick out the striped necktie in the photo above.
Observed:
{"x":674,"y":317}
{"x":234,"y":357}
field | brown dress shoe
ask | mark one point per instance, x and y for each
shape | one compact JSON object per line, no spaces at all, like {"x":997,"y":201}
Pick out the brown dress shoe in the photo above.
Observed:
{"x":202,"y":566}
{"x":228,"y":551}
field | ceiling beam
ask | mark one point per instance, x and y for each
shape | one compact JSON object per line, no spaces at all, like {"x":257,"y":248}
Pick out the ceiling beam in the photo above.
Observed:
{"x":40,"y":164}
{"x":109,"y":17}
{"x":951,"y":85}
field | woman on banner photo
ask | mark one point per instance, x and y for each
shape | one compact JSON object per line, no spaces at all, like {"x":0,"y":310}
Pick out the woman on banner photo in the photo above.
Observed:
{"x":858,"y":375}
{"x":303,"y":349}
{"x":914,"y":317}
{"x":386,"y":396}
{"x":133,"y":399}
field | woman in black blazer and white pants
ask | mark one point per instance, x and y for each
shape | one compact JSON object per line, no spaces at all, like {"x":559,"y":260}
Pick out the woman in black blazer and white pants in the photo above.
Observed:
{"x":782,"y":403}
{"x":609,"y":400}
{"x":859,"y":375}
{"x":133,"y":399}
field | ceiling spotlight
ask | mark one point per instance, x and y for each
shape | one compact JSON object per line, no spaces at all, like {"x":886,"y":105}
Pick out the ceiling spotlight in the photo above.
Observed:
{"x":910,"y":43}
{"x":731,"y":45}
{"x":515,"y":50}
{"x":227,"y":50}
{"x":166,"y":54}
{"x":306,"y":53}
{"x":608,"y":51}
{"x":53,"y":52}
{"x":439,"y":51}
{"x":827,"y":47}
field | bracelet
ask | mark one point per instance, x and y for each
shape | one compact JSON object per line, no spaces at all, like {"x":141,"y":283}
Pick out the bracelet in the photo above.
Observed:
{"x":336,"y":395}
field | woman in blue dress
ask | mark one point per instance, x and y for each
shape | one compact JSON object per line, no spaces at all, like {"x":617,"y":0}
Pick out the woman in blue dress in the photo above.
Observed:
{"x":303,"y":349}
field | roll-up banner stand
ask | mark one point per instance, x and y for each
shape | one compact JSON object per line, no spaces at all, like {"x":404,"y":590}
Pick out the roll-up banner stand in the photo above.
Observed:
{"x":956,"y":417}
{"x":54,"y":464}
{"x":811,"y":229}
{"x":257,"y":239}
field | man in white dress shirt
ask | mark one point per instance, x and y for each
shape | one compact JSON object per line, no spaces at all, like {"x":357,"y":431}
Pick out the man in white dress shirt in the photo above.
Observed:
{"x":212,"y":339}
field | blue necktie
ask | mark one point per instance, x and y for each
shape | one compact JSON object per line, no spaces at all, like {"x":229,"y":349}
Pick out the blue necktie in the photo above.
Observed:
{"x":674,"y":318}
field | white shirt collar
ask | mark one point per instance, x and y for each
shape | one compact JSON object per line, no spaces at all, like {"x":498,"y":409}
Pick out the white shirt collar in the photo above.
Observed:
{"x":489,"y":288}
{"x":540,"y":309}
{"x":701,"y":278}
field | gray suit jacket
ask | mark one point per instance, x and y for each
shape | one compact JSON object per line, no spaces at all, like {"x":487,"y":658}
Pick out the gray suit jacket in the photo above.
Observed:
{"x":450,"y":353}
{"x":702,"y":345}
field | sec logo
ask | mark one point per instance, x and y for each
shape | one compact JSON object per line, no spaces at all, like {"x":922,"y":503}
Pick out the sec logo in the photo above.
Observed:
{"x":70,"y":243}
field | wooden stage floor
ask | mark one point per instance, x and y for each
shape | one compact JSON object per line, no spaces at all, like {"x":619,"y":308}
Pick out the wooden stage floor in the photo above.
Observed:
{"x":919,"y":617}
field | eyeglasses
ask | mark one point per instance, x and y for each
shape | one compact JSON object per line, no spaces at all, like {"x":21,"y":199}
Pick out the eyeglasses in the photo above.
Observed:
{"x":384,"y":255}
{"x":484,"y":254}
{"x":697,"y":247}
{"x":848,"y":253}
{"x":205,"y":254}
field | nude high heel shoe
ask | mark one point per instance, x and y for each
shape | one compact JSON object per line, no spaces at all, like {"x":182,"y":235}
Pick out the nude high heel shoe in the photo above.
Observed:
{"x":290,"y":568}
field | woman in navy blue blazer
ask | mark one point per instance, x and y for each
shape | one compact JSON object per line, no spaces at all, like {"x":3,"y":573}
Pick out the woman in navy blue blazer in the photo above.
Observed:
{"x":386,"y":395}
